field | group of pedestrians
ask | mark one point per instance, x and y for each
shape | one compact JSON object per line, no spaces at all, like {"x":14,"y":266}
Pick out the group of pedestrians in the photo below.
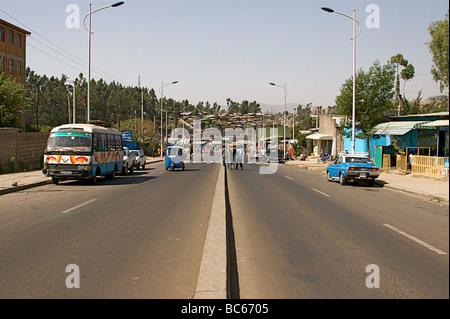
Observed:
{"x":234,"y":159}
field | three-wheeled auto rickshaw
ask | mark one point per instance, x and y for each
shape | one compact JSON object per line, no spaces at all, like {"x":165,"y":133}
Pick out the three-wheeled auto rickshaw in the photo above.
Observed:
{"x":174,"y":157}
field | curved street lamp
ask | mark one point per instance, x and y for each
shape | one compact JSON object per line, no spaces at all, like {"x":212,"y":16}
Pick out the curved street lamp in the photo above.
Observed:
{"x":117,"y":4}
{"x":354,"y":66}
{"x":161,"y":91}
{"x":284,"y":117}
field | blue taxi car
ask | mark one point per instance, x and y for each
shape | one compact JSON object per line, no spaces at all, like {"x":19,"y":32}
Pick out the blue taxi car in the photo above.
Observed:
{"x":353,"y":167}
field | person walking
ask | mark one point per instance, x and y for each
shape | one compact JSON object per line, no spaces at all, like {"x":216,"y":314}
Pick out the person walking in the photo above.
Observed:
{"x":239,"y":157}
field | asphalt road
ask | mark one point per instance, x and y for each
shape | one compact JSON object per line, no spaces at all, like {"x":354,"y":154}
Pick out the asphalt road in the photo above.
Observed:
{"x":137,"y":236}
{"x":296,"y":236}
{"x":299,"y":236}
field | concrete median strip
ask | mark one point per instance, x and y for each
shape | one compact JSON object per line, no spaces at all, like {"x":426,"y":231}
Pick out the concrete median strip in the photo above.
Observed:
{"x":212,"y":277}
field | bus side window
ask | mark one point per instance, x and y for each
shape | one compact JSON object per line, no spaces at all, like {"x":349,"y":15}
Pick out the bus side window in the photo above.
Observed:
{"x":96,"y":148}
{"x":111,"y":143}
{"x":101,"y":142}
{"x":118,"y":139}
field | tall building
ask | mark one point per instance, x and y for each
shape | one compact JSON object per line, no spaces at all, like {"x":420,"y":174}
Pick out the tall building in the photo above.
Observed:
{"x":13,"y":51}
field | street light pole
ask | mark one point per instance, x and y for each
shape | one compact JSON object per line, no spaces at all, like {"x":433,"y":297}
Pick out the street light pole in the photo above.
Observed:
{"x":354,"y":66}
{"x":284,"y":117}
{"x":161,"y":91}
{"x":89,"y":48}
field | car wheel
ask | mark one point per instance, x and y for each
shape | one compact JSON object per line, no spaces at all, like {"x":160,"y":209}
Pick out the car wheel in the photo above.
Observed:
{"x":55,"y":180}
{"x":329,"y":177}
{"x":342,"y":179}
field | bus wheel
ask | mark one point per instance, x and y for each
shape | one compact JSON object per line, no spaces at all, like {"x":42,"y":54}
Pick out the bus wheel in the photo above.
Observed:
{"x":55,"y":180}
{"x":93,"y":179}
{"x":112,"y":175}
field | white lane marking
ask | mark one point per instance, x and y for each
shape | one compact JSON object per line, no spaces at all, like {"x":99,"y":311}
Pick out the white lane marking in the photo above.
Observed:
{"x":78,"y":206}
{"x":289,"y":178}
{"x":316,"y":190}
{"x":440,"y":252}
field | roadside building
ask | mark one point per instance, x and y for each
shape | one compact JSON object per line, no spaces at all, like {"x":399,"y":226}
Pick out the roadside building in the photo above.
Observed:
{"x":327,"y":140}
{"x":13,"y":51}
{"x":418,"y":132}
{"x":13,"y":54}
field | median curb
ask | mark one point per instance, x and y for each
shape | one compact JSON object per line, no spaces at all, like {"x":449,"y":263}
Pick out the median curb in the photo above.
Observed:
{"x":212,"y":277}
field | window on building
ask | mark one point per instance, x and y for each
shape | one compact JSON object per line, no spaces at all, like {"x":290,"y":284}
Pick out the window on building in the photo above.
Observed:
{"x":2,"y":33}
{"x":11,"y":66}
{"x":19,"y":67}
{"x":11,"y":37}
{"x":2,"y":63}
{"x":19,"y":40}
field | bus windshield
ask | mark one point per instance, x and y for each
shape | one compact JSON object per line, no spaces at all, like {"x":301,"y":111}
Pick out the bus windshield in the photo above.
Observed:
{"x":69,"y":142}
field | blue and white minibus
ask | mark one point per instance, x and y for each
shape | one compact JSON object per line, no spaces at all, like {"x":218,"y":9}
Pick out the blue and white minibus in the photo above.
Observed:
{"x":82,"y":151}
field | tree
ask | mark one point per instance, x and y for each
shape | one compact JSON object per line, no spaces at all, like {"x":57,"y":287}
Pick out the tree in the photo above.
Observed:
{"x":398,"y":60}
{"x":374,"y":91}
{"x":12,"y":98}
{"x":303,"y":117}
{"x":406,"y":75}
{"x":438,"y":46}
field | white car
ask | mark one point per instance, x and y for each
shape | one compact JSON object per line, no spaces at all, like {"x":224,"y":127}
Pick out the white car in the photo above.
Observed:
{"x":140,"y":158}
{"x":129,"y":161}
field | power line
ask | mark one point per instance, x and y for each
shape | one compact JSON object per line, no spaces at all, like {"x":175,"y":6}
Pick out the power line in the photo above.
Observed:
{"x":99,"y":72}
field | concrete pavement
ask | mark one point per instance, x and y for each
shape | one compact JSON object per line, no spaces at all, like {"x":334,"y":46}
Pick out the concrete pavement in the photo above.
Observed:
{"x":20,"y":181}
{"x":430,"y":188}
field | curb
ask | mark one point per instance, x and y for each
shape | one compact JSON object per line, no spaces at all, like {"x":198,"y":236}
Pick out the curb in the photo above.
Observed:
{"x":382,"y":184}
{"x":409,"y":191}
{"x":23,"y":187}
{"x":27,"y":186}
{"x":212,"y":277}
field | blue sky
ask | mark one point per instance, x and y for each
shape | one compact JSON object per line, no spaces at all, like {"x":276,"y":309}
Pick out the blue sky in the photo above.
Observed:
{"x":220,"y":49}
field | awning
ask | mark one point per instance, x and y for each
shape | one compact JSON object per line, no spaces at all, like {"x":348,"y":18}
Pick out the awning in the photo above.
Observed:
{"x":393,"y":131}
{"x":436,"y":124}
{"x":318,"y":136}
{"x":398,"y":128}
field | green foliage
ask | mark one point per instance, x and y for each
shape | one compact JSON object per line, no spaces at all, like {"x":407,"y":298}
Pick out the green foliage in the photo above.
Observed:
{"x":303,"y":118}
{"x":300,"y":146}
{"x":11,"y":164}
{"x":374,"y":92}
{"x":439,"y":47}
{"x":52,"y":99}
{"x":245,"y":107}
{"x":406,"y":74}
{"x":12,"y":100}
